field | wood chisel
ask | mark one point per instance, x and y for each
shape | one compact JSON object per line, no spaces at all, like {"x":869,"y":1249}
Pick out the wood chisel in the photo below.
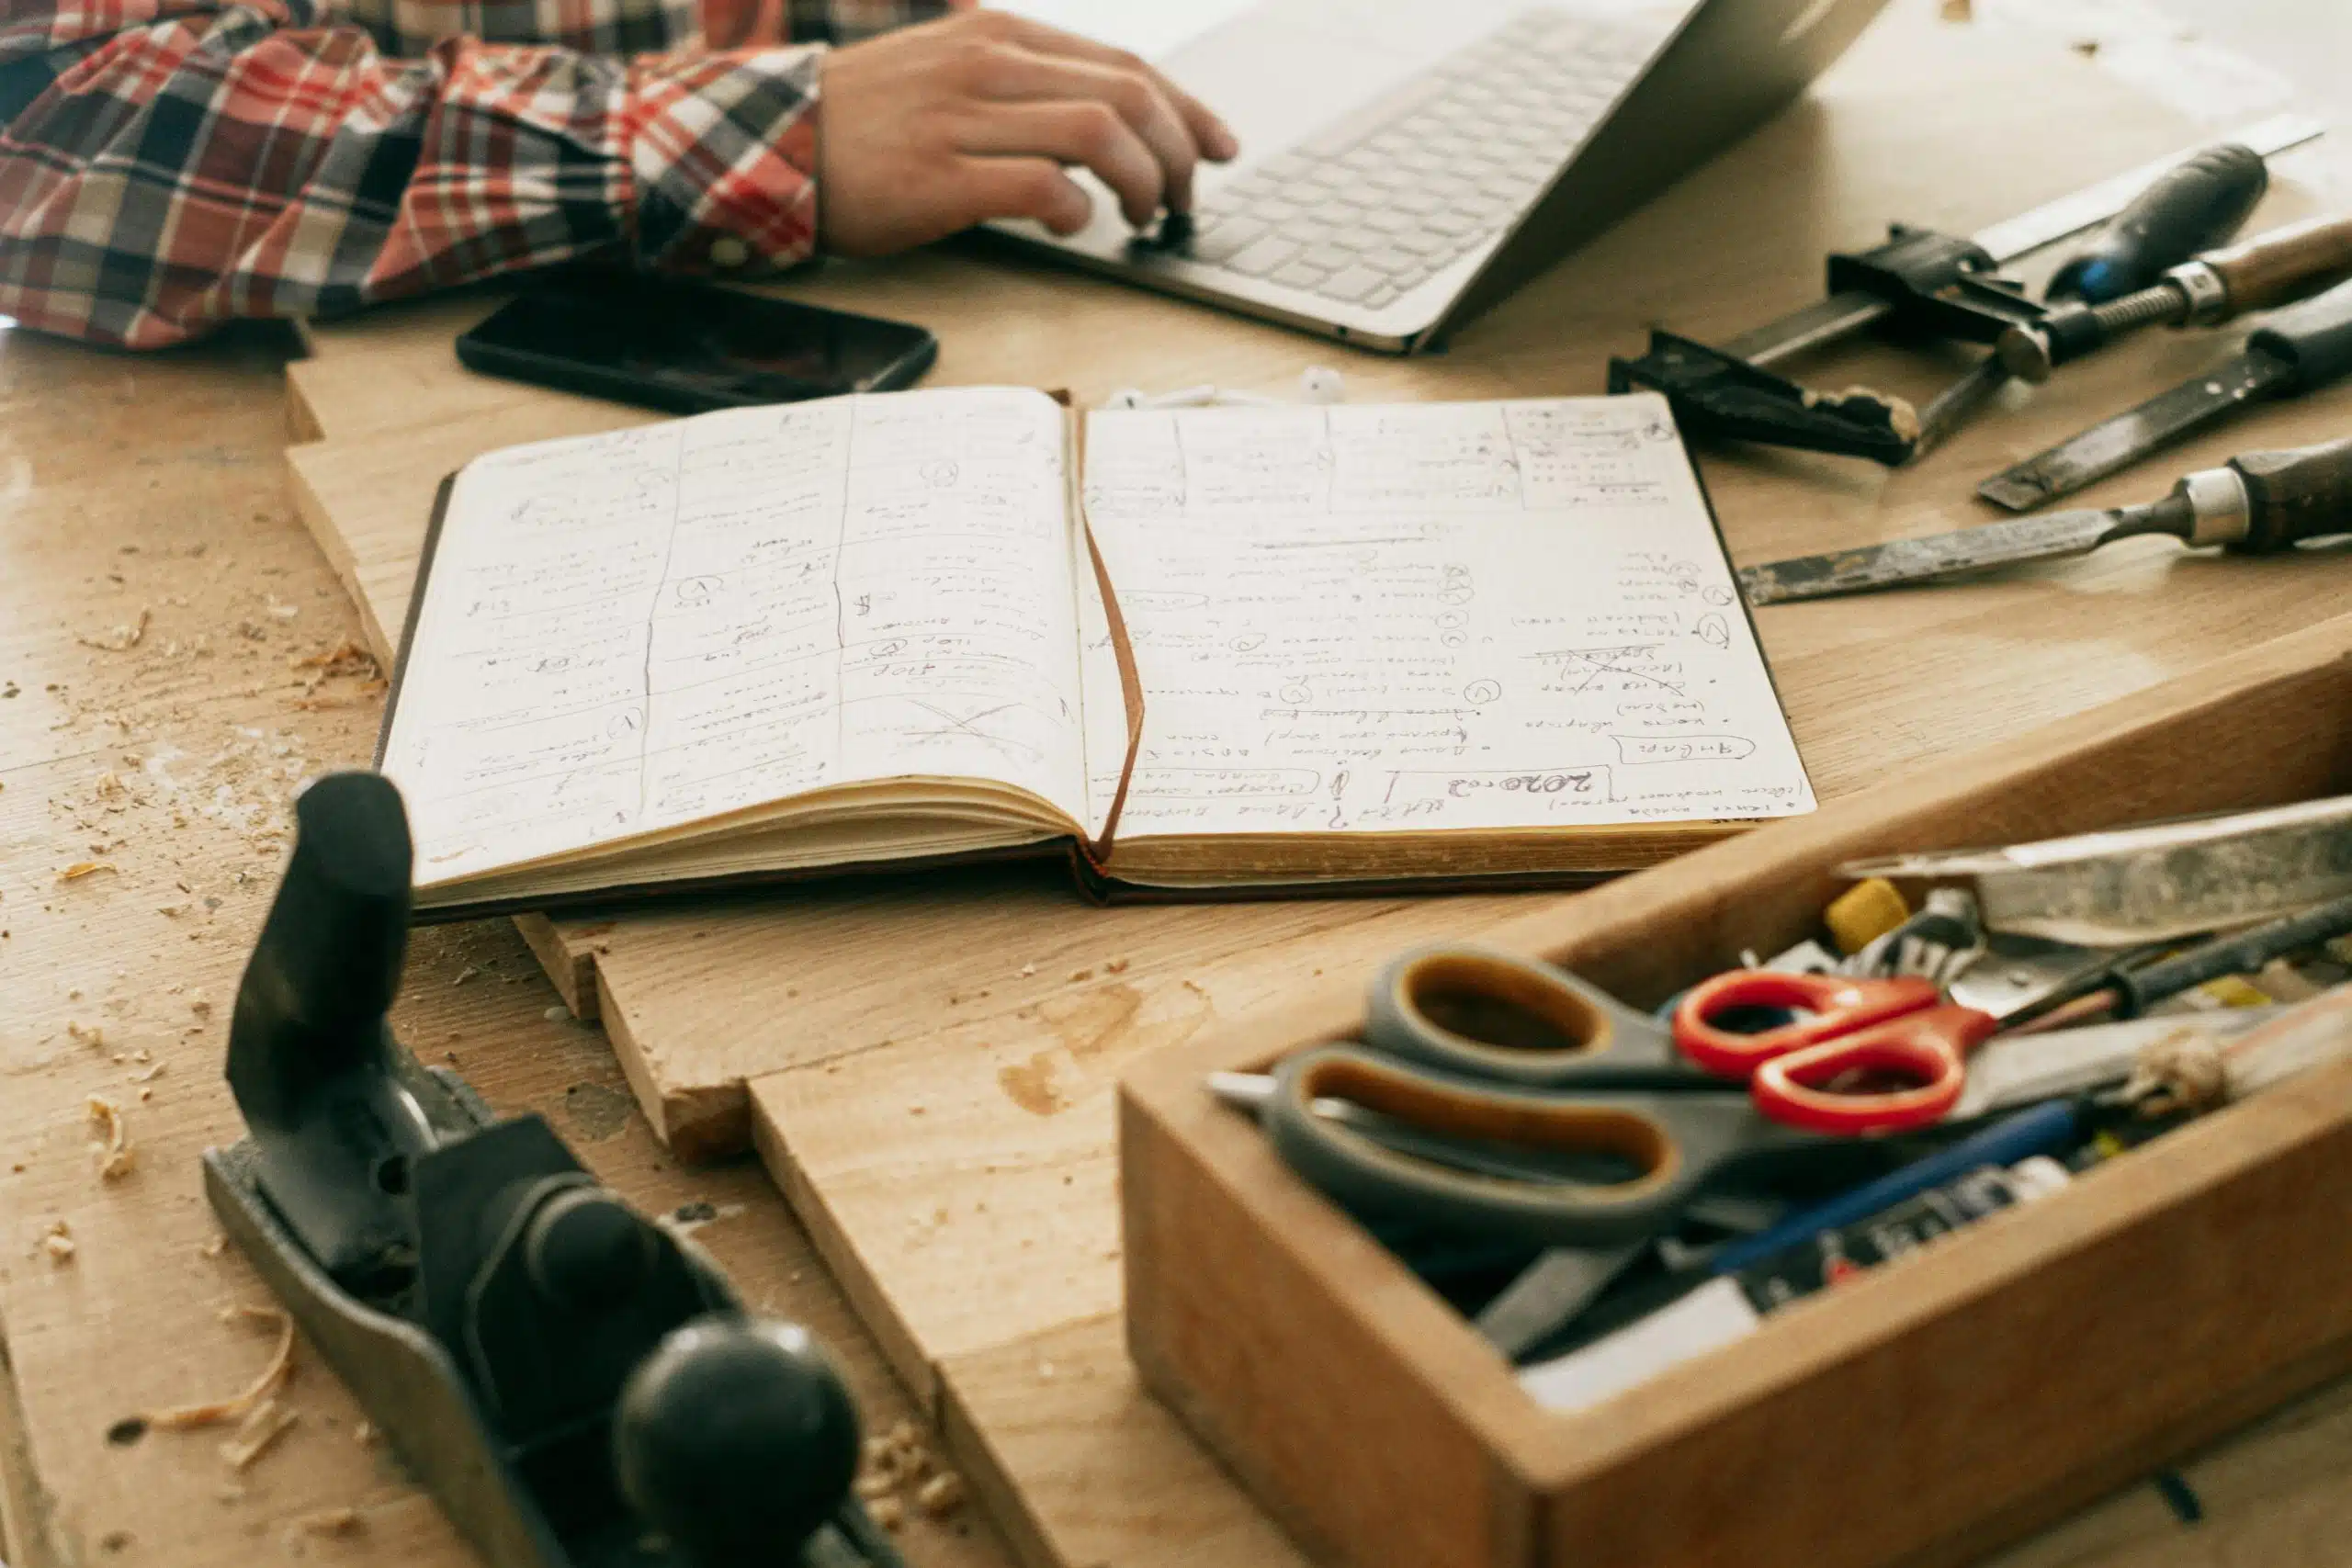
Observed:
{"x":2298,"y":350}
{"x":2273,"y":268}
{"x":2256,"y":503}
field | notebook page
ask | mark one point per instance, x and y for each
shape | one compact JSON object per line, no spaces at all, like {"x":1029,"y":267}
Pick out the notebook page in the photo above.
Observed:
{"x":627,"y":632}
{"x":1430,"y":617}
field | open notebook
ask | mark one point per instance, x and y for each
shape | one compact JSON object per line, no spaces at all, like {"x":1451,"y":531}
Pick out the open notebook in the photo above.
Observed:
{"x":1258,"y":650}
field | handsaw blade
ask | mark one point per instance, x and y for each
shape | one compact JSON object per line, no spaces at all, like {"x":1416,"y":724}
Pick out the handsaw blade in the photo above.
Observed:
{"x":2110,"y":448}
{"x":1901,"y":561}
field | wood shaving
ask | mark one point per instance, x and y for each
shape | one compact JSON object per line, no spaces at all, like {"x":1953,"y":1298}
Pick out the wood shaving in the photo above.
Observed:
{"x":346,"y":658}
{"x":330,"y":1522}
{"x":940,"y":1496}
{"x":262,"y":1428}
{"x":119,"y":640}
{"x":58,"y":1242}
{"x":364,"y":1434}
{"x":150,"y":1074}
{"x":90,"y":1034}
{"x":1117,"y":967}
{"x":110,"y":784}
{"x":200,"y":1004}
{"x":1959,"y":10}
{"x":116,"y":1157}
{"x":239,"y":1406}
{"x":83,"y":868}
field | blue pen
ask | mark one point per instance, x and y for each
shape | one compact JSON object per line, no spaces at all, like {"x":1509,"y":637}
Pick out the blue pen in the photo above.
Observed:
{"x":2044,"y":1129}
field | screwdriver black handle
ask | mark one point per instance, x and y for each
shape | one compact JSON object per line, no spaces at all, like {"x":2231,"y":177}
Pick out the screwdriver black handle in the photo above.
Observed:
{"x":2303,"y":492}
{"x":2192,"y":207}
{"x":2313,"y":339}
{"x":2243,"y":954}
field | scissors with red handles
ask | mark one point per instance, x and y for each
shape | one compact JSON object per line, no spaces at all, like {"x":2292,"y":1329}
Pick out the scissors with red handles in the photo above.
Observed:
{"x":1517,"y":1022}
{"x":1898,"y":1036}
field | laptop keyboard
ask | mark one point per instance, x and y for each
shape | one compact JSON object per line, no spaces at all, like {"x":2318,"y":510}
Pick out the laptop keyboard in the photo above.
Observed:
{"x":1365,"y":208}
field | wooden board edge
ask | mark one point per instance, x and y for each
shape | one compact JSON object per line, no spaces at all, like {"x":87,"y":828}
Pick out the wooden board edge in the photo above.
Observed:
{"x":320,"y":524}
{"x":303,"y":424}
{"x":701,"y":1126}
{"x":27,"y":1511}
{"x":571,"y":969}
{"x":999,"y":1492}
{"x":901,"y":1347}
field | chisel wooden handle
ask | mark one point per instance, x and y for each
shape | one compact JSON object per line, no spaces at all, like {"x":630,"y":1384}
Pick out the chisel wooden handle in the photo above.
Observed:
{"x":2302,"y":493}
{"x":2281,"y":264}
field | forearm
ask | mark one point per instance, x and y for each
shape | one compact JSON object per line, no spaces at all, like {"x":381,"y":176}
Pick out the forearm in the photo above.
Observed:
{"x":187,"y":173}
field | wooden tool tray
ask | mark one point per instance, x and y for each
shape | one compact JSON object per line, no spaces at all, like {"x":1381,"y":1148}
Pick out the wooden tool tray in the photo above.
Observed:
{"x":1925,"y":1414}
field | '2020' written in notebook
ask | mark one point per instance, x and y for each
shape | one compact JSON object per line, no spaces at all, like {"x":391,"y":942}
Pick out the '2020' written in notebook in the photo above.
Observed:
{"x":1235,"y":651}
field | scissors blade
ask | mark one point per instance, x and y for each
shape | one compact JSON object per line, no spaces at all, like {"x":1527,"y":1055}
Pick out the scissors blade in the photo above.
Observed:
{"x":2017,"y":1069}
{"x":1552,"y":1292}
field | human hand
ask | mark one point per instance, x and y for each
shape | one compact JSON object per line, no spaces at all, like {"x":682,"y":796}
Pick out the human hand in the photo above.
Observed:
{"x":936,"y":128}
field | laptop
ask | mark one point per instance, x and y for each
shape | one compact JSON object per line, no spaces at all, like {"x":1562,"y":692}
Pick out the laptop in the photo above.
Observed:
{"x":1407,"y":163}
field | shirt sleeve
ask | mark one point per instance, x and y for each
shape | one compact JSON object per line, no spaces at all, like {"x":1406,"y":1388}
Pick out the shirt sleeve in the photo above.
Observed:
{"x":172,"y":176}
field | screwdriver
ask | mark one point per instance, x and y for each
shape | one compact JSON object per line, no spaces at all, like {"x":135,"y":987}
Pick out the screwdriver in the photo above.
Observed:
{"x":2272,"y":268}
{"x":2255,"y":504}
{"x":2197,"y":204}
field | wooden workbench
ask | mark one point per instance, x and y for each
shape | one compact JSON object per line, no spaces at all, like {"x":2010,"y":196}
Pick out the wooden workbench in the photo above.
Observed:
{"x":202,"y":742}
{"x":151,"y":488}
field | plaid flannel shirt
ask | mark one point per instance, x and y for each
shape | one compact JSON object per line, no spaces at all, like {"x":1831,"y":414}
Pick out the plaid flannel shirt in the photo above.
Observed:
{"x":166,"y":164}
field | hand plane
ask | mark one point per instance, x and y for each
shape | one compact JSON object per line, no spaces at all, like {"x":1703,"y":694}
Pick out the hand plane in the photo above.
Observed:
{"x":577,"y":1386}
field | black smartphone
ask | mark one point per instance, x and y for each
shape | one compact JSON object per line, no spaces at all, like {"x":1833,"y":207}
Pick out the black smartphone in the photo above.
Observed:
{"x":690,"y":347}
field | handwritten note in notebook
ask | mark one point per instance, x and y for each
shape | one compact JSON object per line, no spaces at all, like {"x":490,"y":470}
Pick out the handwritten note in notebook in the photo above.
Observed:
{"x":1430,"y":618}
{"x":1431,"y":643}
{"x":624,"y":636}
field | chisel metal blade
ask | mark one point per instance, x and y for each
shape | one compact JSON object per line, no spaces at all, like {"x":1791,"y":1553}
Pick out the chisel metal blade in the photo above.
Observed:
{"x":2110,"y":448}
{"x":1901,"y":561}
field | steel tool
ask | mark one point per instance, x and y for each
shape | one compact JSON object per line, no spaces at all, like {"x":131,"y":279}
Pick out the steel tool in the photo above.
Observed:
{"x":1942,"y":285}
{"x":2275,"y":267}
{"x":2155,"y":882}
{"x":2298,"y":350}
{"x":2258,"y":503}
{"x":577,"y":1386}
